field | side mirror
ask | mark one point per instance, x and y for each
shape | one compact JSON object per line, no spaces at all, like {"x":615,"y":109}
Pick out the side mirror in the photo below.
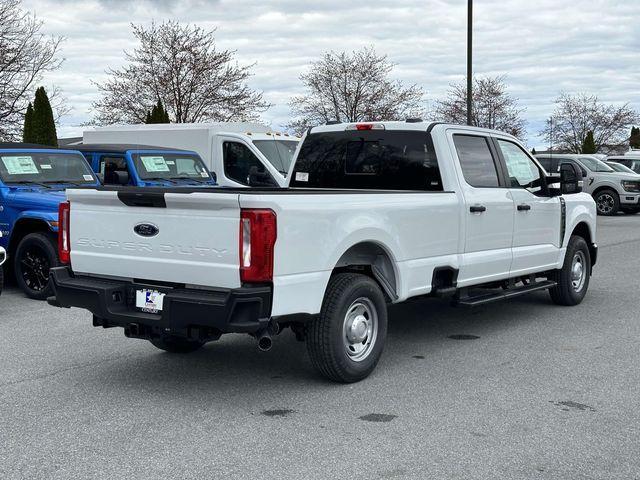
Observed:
{"x":570,"y":178}
{"x":123,"y":177}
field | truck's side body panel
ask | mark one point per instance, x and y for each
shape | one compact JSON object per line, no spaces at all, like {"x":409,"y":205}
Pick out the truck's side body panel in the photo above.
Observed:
{"x":314,"y":231}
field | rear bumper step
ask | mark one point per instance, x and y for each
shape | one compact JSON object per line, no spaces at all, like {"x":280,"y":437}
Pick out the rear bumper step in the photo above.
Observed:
{"x":484,"y":298}
{"x":189,"y":313}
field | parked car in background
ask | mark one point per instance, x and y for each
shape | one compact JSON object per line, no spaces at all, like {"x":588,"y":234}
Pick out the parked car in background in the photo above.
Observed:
{"x":630,"y":161}
{"x":3,"y":257}
{"x":618,"y":167}
{"x":375,"y":213}
{"x":613,"y":191}
{"x":32,"y":184}
{"x":240,"y":154}
{"x":146,"y":166}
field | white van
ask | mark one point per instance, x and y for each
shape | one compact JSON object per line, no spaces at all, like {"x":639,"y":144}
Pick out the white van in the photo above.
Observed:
{"x":240,"y":154}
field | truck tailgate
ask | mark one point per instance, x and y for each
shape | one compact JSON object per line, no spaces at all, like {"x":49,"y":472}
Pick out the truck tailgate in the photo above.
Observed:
{"x":184,"y":238}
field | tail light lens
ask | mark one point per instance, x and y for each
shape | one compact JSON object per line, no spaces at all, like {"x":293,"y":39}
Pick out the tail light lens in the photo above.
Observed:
{"x":64,"y":240}
{"x":258,"y":231}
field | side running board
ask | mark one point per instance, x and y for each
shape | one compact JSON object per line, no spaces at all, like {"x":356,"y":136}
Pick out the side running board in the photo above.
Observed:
{"x":465,"y":300}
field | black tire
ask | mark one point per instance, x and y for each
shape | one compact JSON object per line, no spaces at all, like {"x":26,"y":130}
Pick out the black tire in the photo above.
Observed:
{"x":176,"y":345}
{"x":607,"y":202}
{"x":35,"y":255}
{"x":566,"y":292}
{"x":630,"y":211}
{"x":332,"y":352}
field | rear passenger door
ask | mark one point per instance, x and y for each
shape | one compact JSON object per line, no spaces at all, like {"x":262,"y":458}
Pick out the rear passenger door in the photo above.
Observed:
{"x":488,"y":210}
{"x":536,"y":231}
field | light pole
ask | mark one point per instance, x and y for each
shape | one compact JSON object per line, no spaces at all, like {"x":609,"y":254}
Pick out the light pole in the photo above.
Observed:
{"x":469,"y":62}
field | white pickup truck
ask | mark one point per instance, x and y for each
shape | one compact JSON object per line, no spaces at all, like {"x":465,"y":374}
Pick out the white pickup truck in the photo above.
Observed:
{"x":374,"y":213}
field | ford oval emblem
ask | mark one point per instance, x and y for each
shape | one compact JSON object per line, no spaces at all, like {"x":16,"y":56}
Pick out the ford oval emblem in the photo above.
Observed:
{"x":146,"y":230}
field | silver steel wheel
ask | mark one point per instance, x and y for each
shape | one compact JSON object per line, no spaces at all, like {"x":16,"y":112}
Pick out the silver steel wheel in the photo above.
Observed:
{"x":360,"y":329}
{"x":605,"y":203}
{"x":578,"y":271}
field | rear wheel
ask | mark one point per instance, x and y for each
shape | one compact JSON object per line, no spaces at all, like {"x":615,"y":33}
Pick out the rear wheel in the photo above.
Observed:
{"x":176,"y":345}
{"x":607,"y":202}
{"x":35,"y":255}
{"x":573,"y":279}
{"x":346,"y":340}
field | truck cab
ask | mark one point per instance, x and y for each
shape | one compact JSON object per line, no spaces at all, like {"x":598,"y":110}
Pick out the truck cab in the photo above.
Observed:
{"x":146,"y":166}
{"x":33,"y":180}
{"x":240,"y":154}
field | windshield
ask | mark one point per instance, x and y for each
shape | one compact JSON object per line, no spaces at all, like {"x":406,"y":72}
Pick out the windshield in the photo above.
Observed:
{"x":43,"y":167}
{"x":278,"y":152}
{"x":618,"y":167}
{"x":171,"y":166}
{"x":595,"y":165}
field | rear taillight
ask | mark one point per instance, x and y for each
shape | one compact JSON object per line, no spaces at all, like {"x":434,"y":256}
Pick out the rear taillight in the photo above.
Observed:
{"x":257,"y":240}
{"x":64,"y":240}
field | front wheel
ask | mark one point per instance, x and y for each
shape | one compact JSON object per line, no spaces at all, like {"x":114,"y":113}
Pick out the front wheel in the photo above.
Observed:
{"x":35,"y":255}
{"x":573,"y":278}
{"x":607,"y":202}
{"x":346,"y":340}
{"x":176,"y":345}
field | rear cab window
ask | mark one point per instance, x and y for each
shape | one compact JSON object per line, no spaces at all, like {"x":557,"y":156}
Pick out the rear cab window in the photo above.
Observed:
{"x":368,"y":159}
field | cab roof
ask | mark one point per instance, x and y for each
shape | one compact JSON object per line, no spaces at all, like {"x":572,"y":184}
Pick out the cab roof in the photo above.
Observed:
{"x":123,"y":148}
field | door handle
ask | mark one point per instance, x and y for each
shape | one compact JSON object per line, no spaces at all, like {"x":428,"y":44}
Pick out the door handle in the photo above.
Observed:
{"x":477,"y":208}
{"x":524,"y":207}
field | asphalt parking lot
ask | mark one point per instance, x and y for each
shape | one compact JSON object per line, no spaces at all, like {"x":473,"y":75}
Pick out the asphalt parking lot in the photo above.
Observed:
{"x":543,"y":392}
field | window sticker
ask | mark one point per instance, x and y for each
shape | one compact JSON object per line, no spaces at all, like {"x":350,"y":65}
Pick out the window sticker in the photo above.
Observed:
{"x":154,"y":164}
{"x":23,"y":165}
{"x":45,"y":167}
{"x":171,"y":162}
{"x":302,"y":177}
{"x":87,"y":178}
{"x":204,"y":174}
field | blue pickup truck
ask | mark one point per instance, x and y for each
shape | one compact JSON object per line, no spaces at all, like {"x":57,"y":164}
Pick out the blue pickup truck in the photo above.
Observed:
{"x":146,"y":166}
{"x":32,"y":184}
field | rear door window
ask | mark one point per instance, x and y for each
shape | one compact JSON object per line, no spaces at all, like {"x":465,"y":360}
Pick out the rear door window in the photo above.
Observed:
{"x":476,"y":160}
{"x":368,"y":159}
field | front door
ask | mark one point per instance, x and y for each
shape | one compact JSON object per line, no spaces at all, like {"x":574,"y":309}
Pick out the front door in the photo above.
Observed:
{"x":536,"y":232}
{"x":488,"y":213}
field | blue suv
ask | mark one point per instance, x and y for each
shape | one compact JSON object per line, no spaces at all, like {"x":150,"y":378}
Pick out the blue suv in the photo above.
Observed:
{"x":146,"y":166}
{"x":32,"y":184}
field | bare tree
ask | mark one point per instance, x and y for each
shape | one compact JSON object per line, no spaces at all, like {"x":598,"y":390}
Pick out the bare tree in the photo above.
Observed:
{"x":352,"y":88}
{"x":492,"y":107}
{"x":25,"y":55}
{"x":180,"y":66}
{"x":577,"y":115}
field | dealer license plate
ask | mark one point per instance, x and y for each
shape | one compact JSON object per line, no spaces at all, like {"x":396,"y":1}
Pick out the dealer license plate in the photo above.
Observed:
{"x":149,"y":301}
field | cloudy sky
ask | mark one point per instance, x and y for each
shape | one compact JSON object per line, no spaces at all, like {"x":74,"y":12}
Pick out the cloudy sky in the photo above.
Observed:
{"x":542,"y":46}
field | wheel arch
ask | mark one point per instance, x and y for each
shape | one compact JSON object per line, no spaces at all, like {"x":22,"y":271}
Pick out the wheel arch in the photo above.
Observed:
{"x":582,"y":229}
{"x":25,"y":225}
{"x":606,"y":186}
{"x":374,"y":259}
